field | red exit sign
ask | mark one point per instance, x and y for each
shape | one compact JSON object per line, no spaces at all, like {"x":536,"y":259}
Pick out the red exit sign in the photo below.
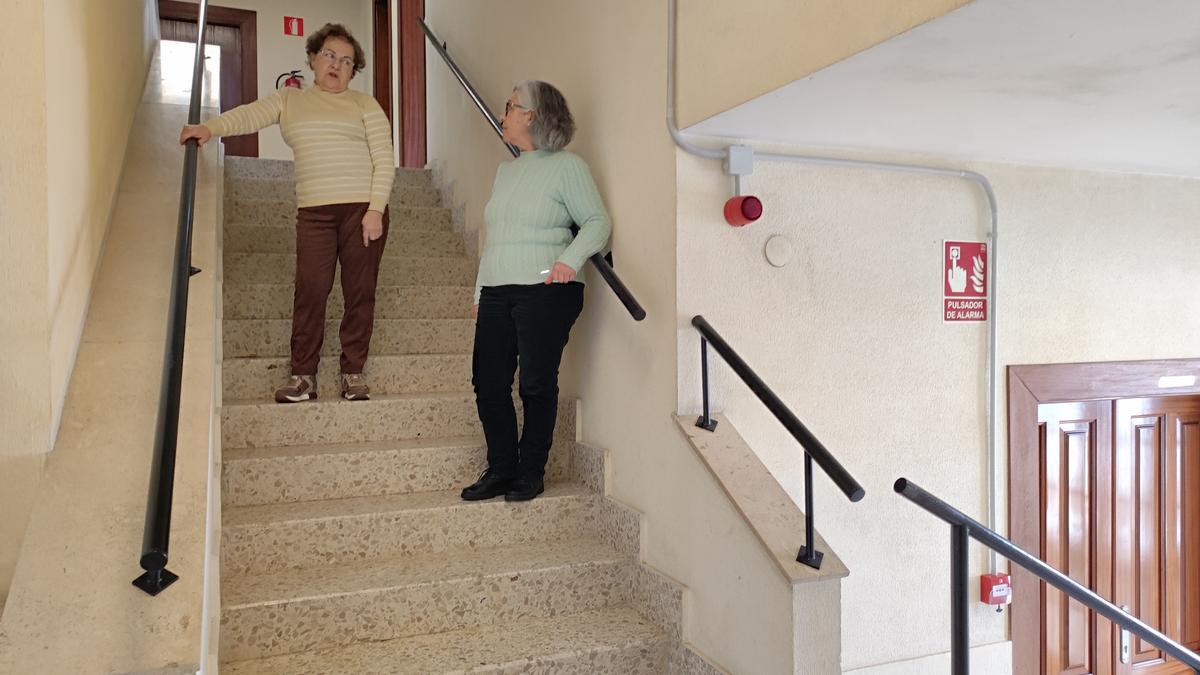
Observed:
{"x":293,"y":25}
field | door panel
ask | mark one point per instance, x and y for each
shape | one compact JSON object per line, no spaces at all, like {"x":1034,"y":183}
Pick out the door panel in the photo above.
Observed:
{"x":1157,"y":445}
{"x":1188,"y":458}
{"x":1076,"y":507}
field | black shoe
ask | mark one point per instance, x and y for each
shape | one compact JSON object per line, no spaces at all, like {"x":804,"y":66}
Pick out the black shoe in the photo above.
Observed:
{"x":489,"y":485}
{"x":524,"y":489}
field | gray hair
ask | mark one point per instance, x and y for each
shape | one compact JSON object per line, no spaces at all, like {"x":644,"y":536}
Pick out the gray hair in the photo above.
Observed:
{"x":552,"y":126}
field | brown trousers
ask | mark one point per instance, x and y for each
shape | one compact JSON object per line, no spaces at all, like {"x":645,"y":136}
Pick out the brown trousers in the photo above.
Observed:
{"x":325,"y":236}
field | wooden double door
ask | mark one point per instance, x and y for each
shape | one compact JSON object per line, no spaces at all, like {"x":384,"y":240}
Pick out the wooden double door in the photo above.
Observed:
{"x":1120,"y":513}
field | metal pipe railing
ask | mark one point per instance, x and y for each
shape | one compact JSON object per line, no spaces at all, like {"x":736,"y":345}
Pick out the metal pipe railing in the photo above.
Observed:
{"x":602,"y":266}
{"x":962,"y":527}
{"x":813,"y":448}
{"x":157,"y":533}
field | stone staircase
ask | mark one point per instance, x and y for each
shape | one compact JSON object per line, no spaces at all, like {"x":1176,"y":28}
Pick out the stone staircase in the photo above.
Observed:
{"x":345,"y":546}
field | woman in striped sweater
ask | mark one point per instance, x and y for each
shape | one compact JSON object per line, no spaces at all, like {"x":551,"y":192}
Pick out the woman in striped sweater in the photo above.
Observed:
{"x":342,"y":143}
{"x":528,"y":294}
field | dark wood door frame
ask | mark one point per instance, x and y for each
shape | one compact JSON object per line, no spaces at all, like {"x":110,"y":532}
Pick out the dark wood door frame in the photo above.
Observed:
{"x":246,"y":22}
{"x":412,"y":83}
{"x":411,"y":113}
{"x":1028,"y":387}
{"x":381,"y":33}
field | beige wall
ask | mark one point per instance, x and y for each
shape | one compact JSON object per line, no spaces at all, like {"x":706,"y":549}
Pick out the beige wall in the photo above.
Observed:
{"x":79,"y":553}
{"x":24,"y":332}
{"x":93,"y":83}
{"x":71,"y":105}
{"x":1093,"y":267}
{"x":279,"y":53}
{"x":731,"y":52}
{"x":739,"y":610}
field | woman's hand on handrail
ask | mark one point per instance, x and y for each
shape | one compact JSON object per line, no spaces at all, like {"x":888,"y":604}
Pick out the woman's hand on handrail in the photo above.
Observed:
{"x":196,"y":131}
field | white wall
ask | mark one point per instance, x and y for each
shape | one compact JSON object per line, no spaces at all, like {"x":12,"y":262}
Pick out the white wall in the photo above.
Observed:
{"x":73,"y":91}
{"x":24,"y":380}
{"x":609,"y":59}
{"x":90,"y":103}
{"x":1093,"y":267}
{"x":279,"y":53}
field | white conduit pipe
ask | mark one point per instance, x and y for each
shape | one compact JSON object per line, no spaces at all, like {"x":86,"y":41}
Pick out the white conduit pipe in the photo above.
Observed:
{"x":992,"y":376}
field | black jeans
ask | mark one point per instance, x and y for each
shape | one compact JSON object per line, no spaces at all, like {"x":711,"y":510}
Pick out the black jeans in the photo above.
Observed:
{"x":530,"y":324}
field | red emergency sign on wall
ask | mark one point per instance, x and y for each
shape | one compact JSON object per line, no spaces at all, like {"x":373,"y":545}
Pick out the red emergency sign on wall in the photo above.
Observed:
{"x":964,"y":281}
{"x":293,"y":25}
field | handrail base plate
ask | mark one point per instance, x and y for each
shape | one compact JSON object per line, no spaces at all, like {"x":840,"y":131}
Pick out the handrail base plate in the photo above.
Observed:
{"x":813,"y":561}
{"x":154,"y":583}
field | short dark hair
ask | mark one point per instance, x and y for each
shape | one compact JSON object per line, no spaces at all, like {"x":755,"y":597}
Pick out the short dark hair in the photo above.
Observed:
{"x":316,"y":42}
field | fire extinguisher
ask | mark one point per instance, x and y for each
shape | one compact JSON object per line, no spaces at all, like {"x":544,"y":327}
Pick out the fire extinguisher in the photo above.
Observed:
{"x":294,"y":79}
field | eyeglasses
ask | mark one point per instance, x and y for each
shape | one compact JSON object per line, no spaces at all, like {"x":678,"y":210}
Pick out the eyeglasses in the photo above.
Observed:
{"x":344,"y":62}
{"x":509,"y":105}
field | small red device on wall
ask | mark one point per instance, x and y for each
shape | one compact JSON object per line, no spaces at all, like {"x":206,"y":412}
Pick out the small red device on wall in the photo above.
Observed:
{"x":293,"y":25}
{"x":995,"y":589}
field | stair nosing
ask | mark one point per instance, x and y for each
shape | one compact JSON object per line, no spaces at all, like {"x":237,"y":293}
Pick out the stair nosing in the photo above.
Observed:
{"x":337,"y":400}
{"x":390,"y":504}
{"x":594,"y":552}
{"x":647,"y":634}
{"x":335,"y":449}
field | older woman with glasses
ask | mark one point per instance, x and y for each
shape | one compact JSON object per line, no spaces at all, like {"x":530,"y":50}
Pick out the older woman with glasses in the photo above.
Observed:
{"x":527,"y":294}
{"x":344,"y":171}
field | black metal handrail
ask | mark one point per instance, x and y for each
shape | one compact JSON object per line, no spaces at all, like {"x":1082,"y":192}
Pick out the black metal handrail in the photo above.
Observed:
{"x":813,"y":448}
{"x":157,"y":534}
{"x":602,"y":266}
{"x":963,"y":526}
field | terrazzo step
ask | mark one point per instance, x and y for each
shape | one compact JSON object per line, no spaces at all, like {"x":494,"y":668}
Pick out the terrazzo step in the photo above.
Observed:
{"x":272,"y":337}
{"x":323,"y":607}
{"x":266,"y":538}
{"x":274,"y":301}
{"x":331,"y":420}
{"x":400,"y":243}
{"x":257,"y":378}
{"x":253,"y":168}
{"x":313,"y":472}
{"x":285,"y":188}
{"x":280,"y":268}
{"x":286,"y":474}
{"x":400,"y":219}
{"x":613,"y":641}
{"x":250,"y":210}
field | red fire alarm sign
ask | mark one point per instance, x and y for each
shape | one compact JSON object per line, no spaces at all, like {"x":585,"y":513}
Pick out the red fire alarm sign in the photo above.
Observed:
{"x":293,"y":25}
{"x":964,"y":281}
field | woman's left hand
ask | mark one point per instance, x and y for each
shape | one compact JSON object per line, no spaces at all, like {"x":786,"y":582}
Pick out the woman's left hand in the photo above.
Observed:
{"x":560,"y":274}
{"x":372,"y":224}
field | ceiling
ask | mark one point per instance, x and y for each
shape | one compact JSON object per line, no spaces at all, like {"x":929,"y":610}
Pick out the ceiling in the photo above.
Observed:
{"x":1098,"y":84}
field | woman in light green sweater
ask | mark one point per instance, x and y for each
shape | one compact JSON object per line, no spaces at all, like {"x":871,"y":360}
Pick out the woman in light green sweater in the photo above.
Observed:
{"x":528,"y":294}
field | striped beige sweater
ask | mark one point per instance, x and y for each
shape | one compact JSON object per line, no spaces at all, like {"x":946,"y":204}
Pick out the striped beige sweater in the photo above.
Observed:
{"x":342,"y":142}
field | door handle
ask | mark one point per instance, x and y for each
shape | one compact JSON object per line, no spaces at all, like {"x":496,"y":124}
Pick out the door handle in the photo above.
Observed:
{"x":1125,"y":647}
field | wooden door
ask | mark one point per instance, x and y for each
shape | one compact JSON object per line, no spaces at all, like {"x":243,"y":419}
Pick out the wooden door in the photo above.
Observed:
{"x":1077,"y":497}
{"x":235,"y":31}
{"x":381,"y":46}
{"x":1167,"y":554}
{"x":1157,"y":534}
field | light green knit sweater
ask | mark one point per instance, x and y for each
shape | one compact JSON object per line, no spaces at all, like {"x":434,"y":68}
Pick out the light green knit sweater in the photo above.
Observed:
{"x":535,"y":199}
